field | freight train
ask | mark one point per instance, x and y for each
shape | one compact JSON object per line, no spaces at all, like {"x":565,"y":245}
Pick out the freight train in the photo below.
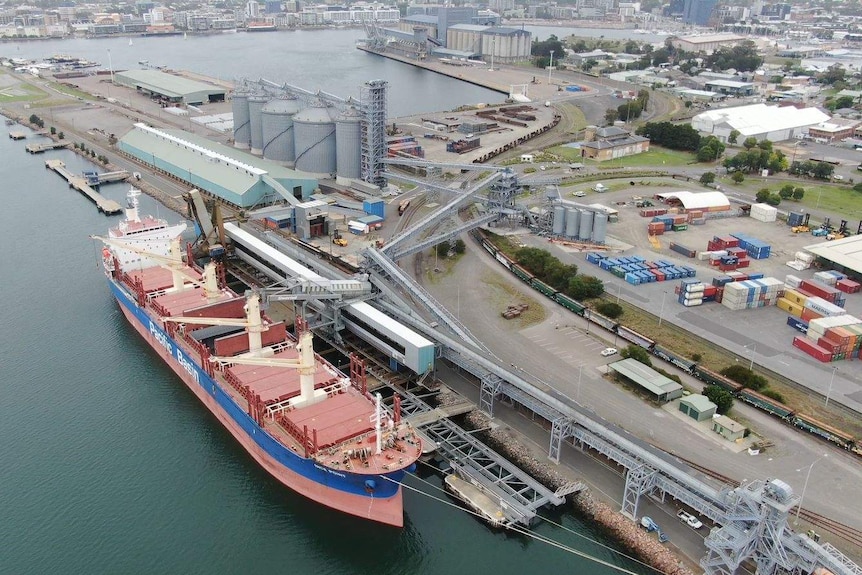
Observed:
{"x":758,"y":400}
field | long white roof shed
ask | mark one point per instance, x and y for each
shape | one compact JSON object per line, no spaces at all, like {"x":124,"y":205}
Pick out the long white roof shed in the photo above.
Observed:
{"x":846,"y":252}
{"x":699,"y":201}
{"x":758,"y":119}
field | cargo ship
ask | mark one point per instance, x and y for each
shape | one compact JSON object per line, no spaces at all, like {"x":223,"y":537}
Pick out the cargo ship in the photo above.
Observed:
{"x":315,"y":429}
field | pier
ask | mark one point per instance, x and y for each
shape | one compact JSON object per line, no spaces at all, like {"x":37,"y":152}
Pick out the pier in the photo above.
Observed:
{"x":17,"y":135}
{"x":39,"y":148}
{"x":106,"y":206}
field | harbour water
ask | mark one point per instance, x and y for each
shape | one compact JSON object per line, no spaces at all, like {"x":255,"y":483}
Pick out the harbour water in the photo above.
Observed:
{"x":112,"y":466}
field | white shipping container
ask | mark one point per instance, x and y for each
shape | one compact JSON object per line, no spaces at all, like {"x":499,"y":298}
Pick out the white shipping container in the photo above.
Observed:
{"x":826,"y":278}
{"x":764,"y":212}
{"x":792,"y":282}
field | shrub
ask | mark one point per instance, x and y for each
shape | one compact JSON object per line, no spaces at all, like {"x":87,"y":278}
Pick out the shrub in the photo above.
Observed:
{"x":637,"y":353}
{"x":610,"y":309}
{"x":737,"y":177}
{"x":771,"y":393}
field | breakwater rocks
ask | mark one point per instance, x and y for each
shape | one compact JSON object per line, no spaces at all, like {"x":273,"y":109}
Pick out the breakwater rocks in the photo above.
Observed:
{"x":639,"y":543}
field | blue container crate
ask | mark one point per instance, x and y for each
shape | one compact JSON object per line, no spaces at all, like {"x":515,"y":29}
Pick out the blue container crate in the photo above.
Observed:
{"x":375,"y":207}
{"x":638,"y":259}
{"x":633,"y":279}
{"x":757,"y":276}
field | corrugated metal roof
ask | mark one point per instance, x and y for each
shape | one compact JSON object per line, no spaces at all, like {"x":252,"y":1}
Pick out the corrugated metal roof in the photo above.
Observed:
{"x":846,"y":252}
{"x":727,"y":423}
{"x":646,"y":377}
{"x":699,"y":402}
{"x":469,"y":27}
{"x":167,"y":84}
{"x":760,"y":118}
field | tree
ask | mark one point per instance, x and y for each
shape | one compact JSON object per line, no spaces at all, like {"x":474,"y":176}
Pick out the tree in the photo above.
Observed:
{"x":786,"y":191}
{"x":737,"y":177}
{"x":442,"y":249}
{"x":750,"y":142}
{"x":798,"y":193}
{"x":632,"y":47}
{"x":53,"y":130}
{"x":722,"y":398}
{"x":744,"y":376}
{"x":707,"y":178}
{"x":611,"y":309}
{"x":583,"y":287}
{"x":765,"y":145}
{"x":61,"y":135}
{"x":459,"y":246}
{"x":637,"y":353}
{"x":630,"y":110}
{"x":710,"y":149}
{"x":611,"y":116}
{"x":763,"y":195}
{"x":673,"y":136}
{"x":733,"y":136}
{"x":773,"y":199}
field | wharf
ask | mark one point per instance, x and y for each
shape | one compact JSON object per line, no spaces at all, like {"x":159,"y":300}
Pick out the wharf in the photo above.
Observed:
{"x":105,"y":205}
{"x":477,"y":499}
{"x":17,"y":135}
{"x":39,"y":148}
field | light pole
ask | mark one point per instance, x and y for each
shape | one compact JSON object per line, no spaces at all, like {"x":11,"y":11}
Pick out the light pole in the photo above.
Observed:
{"x":819,"y":195}
{"x":619,"y":289}
{"x":829,"y":391}
{"x":805,"y":486}
{"x":661,"y":313}
{"x":753,"y":351}
{"x":550,"y":67}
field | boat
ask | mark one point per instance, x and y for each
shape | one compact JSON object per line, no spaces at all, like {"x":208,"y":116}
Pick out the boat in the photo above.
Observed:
{"x":315,"y":429}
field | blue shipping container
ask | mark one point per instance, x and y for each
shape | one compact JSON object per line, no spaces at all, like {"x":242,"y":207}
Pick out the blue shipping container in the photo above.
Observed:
{"x":376,"y":207}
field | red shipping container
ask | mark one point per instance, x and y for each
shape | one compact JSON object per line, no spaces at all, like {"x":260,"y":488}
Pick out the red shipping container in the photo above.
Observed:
{"x":808,"y":315}
{"x":719,"y":293}
{"x":744,"y":263}
{"x":838,"y":335}
{"x":709,"y":290}
{"x":848,"y":286}
{"x":658,"y":275}
{"x":828,"y":293}
{"x":812,"y":349}
{"x":829,"y":346}
{"x":801,"y":291}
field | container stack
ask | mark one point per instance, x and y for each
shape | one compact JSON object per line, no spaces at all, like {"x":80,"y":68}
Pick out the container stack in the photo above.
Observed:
{"x":832,"y":338}
{"x":682,"y":250}
{"x":697,"y":217}
{"x":829,"y":277}
{"x":636,"y":270}
{"x":751,"y":294}
{"x":792,"y":282}
{"x":829,"y":293}
{"x":757,"y":249}
{"x":722,"y":243}
{"x":652,"y":212}
{"x":817,"y":307}
{"x":763,"y":213}
{"x":400,"y":145}
{"x":690,"y":292}
{"x":655,"y":228}
{"x":848,"y":285}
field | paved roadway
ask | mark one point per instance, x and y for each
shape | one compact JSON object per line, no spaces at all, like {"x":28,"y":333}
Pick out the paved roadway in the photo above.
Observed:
{"x":559,"y":351}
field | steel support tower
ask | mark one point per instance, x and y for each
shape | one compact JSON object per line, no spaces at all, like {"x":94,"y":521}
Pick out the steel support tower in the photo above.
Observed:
{"x":373,"y":98}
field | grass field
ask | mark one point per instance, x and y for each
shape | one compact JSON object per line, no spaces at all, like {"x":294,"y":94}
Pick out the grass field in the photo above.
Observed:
{"x":835,"y":198}
{"x":656,"y":157}
{"x":21,"y":93}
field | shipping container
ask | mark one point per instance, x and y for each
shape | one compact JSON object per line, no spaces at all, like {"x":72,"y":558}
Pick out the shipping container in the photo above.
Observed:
{"x":680,"y":249}
{"x":812,"y":349}
{"x":797,"y":324}
{"x":848,"y":286}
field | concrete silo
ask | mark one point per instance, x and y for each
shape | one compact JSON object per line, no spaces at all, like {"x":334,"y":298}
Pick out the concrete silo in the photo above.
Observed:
{"x":600,"y":227}
{"x":277,"y":117}
{"x":314,"y":138}
{"x":256,"y":103}
{"x":241,"y":128}
{"x":348,"y":143}
{"x":559,"y":221}
{"x":585,"y":229}
{"x":573,"y":221}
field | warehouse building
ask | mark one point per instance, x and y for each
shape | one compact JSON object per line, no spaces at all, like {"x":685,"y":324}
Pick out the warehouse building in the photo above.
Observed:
{"x":697,"y":406}
{"x":661,"y":388}
{"x":611,"y":142}
{"x":707,"y":43}
{"x":844,"y":255}
{"x":774,"y":123}
{"x":233,"y":176}
{"x":730,"y":87}
{"x":170,"y":88}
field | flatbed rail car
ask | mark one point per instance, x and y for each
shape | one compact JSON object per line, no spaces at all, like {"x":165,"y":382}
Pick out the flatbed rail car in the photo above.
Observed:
{"x":762,"y":402}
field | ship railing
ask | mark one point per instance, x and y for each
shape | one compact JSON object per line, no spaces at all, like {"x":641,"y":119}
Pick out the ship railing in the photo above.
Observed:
{"x":294,"y":431}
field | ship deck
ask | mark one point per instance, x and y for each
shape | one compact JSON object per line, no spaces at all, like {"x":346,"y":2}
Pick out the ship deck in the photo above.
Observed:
{"x":157,"y":279}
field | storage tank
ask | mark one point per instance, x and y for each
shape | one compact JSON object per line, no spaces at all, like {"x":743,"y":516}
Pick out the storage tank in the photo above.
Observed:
{"x":241,"y":129}
{"x":559,"y":220}
{"x":348,"y":143}
{"x":586,"y":227}
{"x":600,"y":227}
{"x":277,"y":116}
{"x":256,"y":103}
{"x":573,"y":220}
{"x":314,"y":138}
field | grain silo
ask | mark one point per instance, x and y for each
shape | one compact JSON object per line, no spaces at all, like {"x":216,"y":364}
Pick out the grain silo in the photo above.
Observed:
{"x":277,"y":116}
{"x":573,"y":220}
{"x":600,"y":227}
{"x":314,"y":138}
{"x":559,"y":220}
{"x":586,"y":227}
{"x":256,"y":103}
{"x":241,"y":128}
{"x":348,"y":143}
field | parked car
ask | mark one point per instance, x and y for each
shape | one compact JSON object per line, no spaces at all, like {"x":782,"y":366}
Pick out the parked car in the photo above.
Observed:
{"x":689,"y":519}
{"x":600,"y":188}
{"x":838,"y":177}
{"x":609,"y":351}
{"x":579,"y":194}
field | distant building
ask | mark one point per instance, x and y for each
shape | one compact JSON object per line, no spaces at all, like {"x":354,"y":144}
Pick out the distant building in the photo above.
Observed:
{"x":252,"y":9}
{"x":608,"y":143}
{"x":774,"y":123}
{"x":730,"y":88}
{"x":505,"y":44}
{"x":834,"y":130}
{"x":707,"y":44}
{"x":698,"y":11}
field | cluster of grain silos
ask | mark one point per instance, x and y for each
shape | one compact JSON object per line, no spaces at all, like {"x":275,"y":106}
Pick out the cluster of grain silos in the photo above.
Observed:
{"x":311,"y":136}
{"x":580,"y":223}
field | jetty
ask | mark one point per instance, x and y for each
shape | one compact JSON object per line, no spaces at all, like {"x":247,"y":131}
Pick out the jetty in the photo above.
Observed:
{"x":17,"y":135}
{"x":39,"y":148}
{"x":106,"y":206}
{"x":477,"y":499}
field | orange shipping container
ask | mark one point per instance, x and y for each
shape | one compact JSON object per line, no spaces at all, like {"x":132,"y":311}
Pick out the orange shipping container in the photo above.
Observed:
{"x":808,"y":315}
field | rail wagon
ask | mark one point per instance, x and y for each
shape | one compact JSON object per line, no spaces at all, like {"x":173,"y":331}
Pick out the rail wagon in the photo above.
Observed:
{"x":827,"y":432}
{"x":543,"y":287}
{"x":634,"y":337}
{"x":522,"y":273}
{"x":712,"y":378}
{"x":765,"y":403}
{"x":569,"y":303}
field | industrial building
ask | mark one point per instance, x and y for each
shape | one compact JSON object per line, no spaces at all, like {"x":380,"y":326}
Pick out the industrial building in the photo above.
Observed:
{"x":697,"y":406}
{"x":170,"y":88}
{"x":730,"y":87}
{"x":834,"y":130}
{"x":316,"y":133}
{"x":844,"y":255}
{"x":490,"y":42}
{"x":611,"y":142}
{"x":707,"y":43}
{"x":233,"y":176}
{"x":661,"y":388}
{"x":774,"y":123}
{"x":728,"y":428}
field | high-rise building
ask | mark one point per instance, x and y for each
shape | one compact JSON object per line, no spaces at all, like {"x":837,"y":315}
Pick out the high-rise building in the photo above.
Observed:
{"x":698,"y":11}
{"x":252,"y":9}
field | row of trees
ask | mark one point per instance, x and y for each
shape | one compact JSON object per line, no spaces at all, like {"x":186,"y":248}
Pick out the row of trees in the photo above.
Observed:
{"x":757,"y":159}
{"x":673,"y":136}
{"x":812,"y":169}
{"x":560,"y":276}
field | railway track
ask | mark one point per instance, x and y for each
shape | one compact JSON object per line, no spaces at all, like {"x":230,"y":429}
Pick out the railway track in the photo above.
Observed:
{"x":845,"y":532}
